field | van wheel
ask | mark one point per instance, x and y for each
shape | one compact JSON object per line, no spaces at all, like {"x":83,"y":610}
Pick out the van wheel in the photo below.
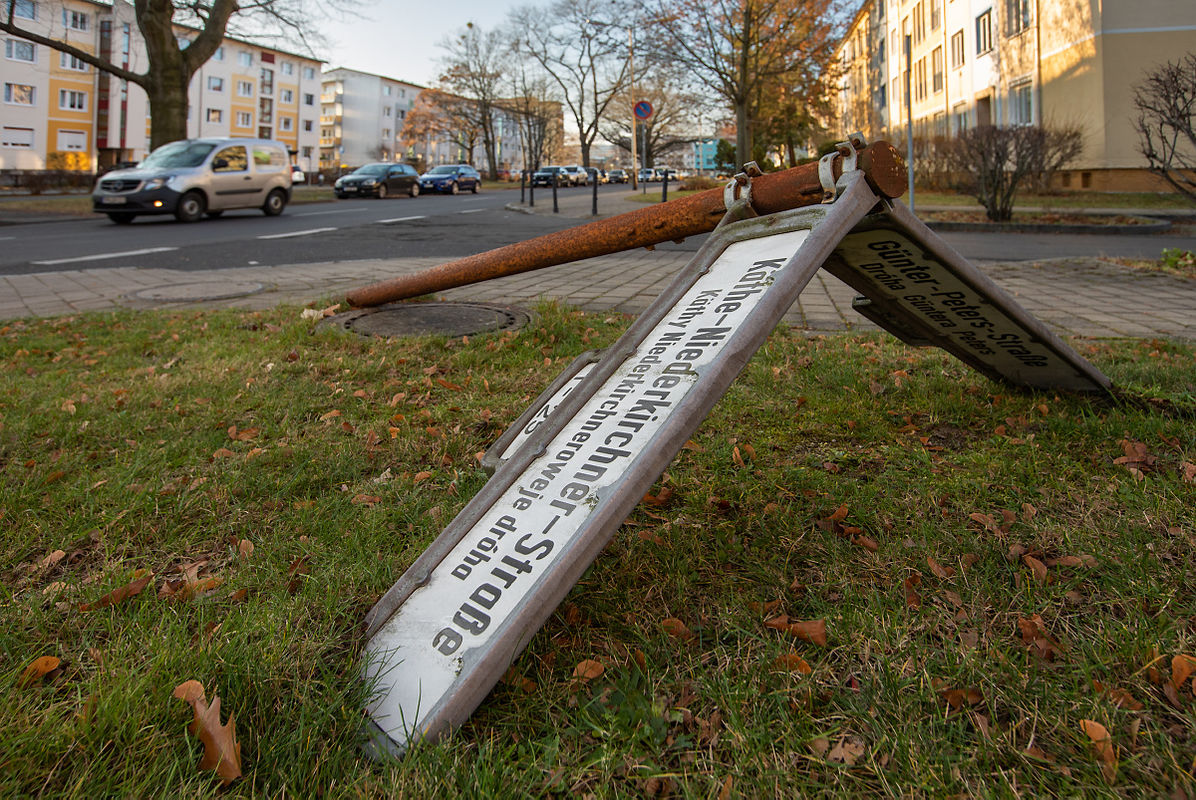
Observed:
{"x":121,"y":218}
{"x":454,"y":189}
{"x":191,"y":207}
{"x":414,"y":190}
{"x":276,"y":201}
{"x":382,"y":191}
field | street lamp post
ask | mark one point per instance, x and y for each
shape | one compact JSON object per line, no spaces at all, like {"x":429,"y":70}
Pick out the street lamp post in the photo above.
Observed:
{"x":631,"y":94}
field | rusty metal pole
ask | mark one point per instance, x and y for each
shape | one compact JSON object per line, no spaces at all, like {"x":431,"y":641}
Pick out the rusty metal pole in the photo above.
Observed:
{"x":880,"y":162}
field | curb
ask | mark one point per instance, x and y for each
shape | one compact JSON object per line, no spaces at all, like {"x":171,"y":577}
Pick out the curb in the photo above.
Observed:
{"x":1031,"y":227}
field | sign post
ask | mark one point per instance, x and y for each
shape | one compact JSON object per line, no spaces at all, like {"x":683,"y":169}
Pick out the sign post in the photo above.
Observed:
{"x":579,"y":460}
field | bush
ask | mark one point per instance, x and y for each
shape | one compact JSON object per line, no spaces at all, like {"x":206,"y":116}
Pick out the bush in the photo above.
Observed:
{"x":701,"y":182}
{"x":1166,"y":102}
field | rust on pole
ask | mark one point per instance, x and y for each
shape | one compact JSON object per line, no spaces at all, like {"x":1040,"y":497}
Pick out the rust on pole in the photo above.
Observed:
{"x":880,"y":162}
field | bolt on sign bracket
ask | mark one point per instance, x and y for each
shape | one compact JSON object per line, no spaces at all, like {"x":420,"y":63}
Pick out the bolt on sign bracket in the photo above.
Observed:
{"x":443,"y":635}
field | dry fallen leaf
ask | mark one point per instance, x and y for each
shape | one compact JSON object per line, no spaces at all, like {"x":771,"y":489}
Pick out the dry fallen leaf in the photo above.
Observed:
{"x":939,"y":571}
{"x":1182,"y":667}
{"x":676,"y":628}
{"x":912,"y":598}
{"x":958,"y":698}
{"x":40,"y":668}
{"x":245,"y":548}
{"x":1037,"y":567}
{"x":1118,"y":697}
{"x":847,"y":751}
{"x":813,"y":631}
{"x":1034,"y":634}
{"x":140,"y":579}
{"x":222,"y":752}
{"x":1102,"y":746}
{"x":792,"y":662}
{"x":588,"y":670}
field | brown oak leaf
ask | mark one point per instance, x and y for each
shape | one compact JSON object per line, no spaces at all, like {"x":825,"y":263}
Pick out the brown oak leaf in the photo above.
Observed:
{"x":221,"y":751}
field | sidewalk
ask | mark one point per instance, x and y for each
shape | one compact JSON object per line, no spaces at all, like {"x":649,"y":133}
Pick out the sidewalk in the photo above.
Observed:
{"x":1074,"y":296}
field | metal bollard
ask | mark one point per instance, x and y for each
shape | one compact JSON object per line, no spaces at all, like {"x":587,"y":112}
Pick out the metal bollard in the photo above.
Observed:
{"x":594,"y":178}
{"x":522,"y":181}
{"x":664,"y":188}
{"x":556,"y":179}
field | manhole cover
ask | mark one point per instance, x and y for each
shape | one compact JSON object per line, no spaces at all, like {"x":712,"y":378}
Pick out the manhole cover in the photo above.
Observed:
{"x":195,"y":292}
{"x":424,"y":319}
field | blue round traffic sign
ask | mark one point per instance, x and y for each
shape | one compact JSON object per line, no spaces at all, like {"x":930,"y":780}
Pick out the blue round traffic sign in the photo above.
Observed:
{"x":643,"y":109}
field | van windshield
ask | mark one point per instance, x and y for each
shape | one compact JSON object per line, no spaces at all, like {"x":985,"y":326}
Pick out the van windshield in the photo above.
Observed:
{"x":179,"y":154}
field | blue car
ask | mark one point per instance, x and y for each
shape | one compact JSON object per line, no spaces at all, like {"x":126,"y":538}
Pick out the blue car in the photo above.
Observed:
{"x":451,"y":178}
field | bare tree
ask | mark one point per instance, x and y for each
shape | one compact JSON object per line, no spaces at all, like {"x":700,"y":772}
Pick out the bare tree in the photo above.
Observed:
{"x":743,"y":49}
{"x":579,"y":43}
{"x":537,"y":114}
{"x":997,"y":162}
{"x":439,"y":115}
{"x":667,"y":130}
{"x":171,"y":63}
{"x":1166,"y":102}
{"x":474,"y":71}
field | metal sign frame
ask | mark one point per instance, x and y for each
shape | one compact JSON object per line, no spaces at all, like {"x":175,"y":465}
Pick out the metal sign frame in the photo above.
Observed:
{"x":426,"y":674}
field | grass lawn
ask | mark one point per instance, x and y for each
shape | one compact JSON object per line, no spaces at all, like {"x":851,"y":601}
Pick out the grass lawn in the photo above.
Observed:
{"x":1001,"y":576}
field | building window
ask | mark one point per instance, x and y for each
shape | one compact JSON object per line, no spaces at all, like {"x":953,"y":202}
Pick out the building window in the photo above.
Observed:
{"x":288,"y":96}
{"x":75,"y":20}
{"x":17,"y":50}
{"x":244,"y":119}
{"x":307,"y":152}
{"x":67,"y":61}
{"x":308,"y":73}
{"x":896,"y":91}
{"x":16,"y":137}
{"x":386,"y":133}
{"x":219,"y":54}
{"x":1017,"y":16}
{"x":286,"y":123}
{"x":1021,"y":104}
{"x":244,"y":89}
{"x":387,"y":111}
{"x":386,"y":91}
{"x":936,"y":69}
{"x":957,"y":49}
{"x":880,"y":96}
{"x":919,"y":23}
{"x":72,"y":141}
{"x":960,"y":116}
{"x":936,"y":14}
{"x":19,"y":94}
{"x":309,"y":99}
{"x":244,"y":58}
{"x":307,"y":125}
{"x":215,"y":84}
{"x":215,"y":115}
{"x":287,"y":67}
{"x":70,"y":100}
{"x":984,"y":32}
{"x":920,"y":79}
{"x":880,"y":51}
{"x":25,"y":9}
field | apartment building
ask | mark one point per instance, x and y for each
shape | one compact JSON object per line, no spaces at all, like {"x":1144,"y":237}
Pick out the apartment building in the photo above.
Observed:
{"x":61,"y":113}
{"x":362,"y":117}
{"x":1013,"y":62}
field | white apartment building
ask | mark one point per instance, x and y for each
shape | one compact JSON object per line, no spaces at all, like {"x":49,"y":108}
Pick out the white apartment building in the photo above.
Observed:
{"x":362,"y":117}
{"x":1013,"y":62}
{"x":60,"y":113}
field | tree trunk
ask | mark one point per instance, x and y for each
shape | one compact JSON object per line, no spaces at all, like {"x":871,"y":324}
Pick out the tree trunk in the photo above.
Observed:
{"x":166,"y":88}
{"x":743,"y":133}
{"x":585,"y":154}
{"x":168,"y":112}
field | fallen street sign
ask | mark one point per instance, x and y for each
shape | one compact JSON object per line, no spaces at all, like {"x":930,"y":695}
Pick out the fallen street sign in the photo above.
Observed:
{"x":919,"y":289}
{"x":446,"y":632}
{"x":539,"y":411}
{"x":574,"y":465}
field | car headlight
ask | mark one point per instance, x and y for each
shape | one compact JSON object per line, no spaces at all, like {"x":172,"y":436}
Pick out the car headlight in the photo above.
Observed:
{"x":158,"y":183}
{"x":337,"y":185}
{"x":368,"y":182}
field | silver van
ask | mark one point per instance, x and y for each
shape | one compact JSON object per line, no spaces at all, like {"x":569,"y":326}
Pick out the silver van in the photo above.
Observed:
{"x":194,"y":177}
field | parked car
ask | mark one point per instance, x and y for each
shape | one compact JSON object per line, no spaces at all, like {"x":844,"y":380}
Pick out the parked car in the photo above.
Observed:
{"x":297,"y":175}
{"x":378,"y":180}
{"x":669,"y":174}
{"x":193,"y":177}
{"x":451,"y":178}
{"x":648,"y":174}
{"x":544,"y":176}
{"x":578,"y":175}
{"x":601,"y":176}
{"x":618,"y":176}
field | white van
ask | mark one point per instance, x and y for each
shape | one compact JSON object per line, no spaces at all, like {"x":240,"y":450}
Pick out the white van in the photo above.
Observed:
{"x":194,"y":177}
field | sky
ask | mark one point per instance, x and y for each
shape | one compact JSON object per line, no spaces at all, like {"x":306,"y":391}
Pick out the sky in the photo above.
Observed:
{"x":398,"y":38}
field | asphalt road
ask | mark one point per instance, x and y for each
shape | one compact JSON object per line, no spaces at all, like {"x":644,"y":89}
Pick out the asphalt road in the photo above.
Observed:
{"x":429,"y":225}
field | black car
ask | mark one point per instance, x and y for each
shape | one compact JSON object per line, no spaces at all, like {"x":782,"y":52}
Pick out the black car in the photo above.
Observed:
{"x":378,"y":180}
{"x":617,"y":176}
{"x":544,"y":176}
{"x":451,"y":178}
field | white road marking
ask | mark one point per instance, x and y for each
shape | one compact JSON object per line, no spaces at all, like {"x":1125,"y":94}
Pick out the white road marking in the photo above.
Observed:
{"x":317,"y":213}
{"x":473,"y":211}
{"x":101,"y":256}
{"x":400,"y":219}
{"x":6,"y":238}
{"x":296,"y":233}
